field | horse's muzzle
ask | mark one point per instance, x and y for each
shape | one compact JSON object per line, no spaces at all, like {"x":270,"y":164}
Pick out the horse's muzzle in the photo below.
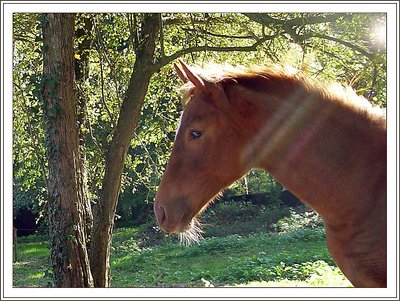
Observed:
{"x":171,"y":221}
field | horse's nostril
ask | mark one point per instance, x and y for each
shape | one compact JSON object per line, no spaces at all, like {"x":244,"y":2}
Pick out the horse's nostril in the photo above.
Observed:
{"x":160,"y":213}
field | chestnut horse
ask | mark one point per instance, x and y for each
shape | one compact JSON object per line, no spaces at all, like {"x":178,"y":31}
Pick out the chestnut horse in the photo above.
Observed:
{"x":325,"y":144}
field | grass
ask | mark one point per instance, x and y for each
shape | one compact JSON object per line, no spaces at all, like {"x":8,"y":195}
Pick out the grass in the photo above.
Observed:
{"x":32,"y":265}
{"x":297,"y":258}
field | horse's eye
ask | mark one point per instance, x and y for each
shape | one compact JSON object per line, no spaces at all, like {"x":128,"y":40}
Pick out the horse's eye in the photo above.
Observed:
{"x":194,"y":134}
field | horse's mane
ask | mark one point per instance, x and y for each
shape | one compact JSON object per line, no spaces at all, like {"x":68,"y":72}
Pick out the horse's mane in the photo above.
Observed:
{"x":257,"y":79}
{"x":221,"y":74}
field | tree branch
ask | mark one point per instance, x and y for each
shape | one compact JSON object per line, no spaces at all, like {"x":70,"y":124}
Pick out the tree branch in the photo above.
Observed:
{"x":26,"y":38}
{"x":345,"y":43}
{"x":128,"y":120}
{"x":289,"y":27}
{"x":267,"y":20}
{"x":100,"y":48}
{"x":187,"y":21}
{"x":162,"y":37}
{"x":166,"y":60}
{"x":220,"y":35}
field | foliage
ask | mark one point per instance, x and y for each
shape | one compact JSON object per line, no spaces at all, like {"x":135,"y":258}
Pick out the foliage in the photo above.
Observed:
{"x":256,"y":181}
{"x":317,"y":273}
{"x":308,"y":219}
{"x":230,"y":260}
{"x":295,"y":258}
{"x":230,"y":217}
{"x":28,"y":150}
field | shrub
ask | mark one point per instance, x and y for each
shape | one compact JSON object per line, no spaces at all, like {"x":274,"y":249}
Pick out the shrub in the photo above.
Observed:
{"x":244,"y":218}
{"x":308,"y":219}
{"x":258,"y":268}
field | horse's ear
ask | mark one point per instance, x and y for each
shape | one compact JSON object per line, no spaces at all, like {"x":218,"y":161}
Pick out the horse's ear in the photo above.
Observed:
{"x":181,"y":74}
{"x":216,"y":92}
{"x":185,"y":74}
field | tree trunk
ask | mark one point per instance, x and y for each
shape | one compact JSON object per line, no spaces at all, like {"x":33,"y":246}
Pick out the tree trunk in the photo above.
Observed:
{"x":82,"y":49}
{"x":66,"y":195}
{"x":128,"y":121}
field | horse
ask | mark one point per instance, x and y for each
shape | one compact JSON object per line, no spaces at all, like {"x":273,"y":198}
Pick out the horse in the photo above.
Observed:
{"x":324,"y":143}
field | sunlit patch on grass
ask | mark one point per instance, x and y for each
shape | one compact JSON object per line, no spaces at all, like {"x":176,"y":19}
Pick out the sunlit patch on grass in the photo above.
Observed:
{"x":32,"y":252}
{"x":281,"y":283}
{"x":323,"y":275}
{"x":37,"y":275}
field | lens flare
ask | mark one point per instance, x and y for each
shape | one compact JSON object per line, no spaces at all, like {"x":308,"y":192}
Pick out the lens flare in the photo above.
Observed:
{"x":378,"y":36}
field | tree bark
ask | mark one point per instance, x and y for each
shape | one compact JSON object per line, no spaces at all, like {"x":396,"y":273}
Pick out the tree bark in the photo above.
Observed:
{"x":69,"y":256}
{"x":128,"y":121}
{"x":85,"y":36}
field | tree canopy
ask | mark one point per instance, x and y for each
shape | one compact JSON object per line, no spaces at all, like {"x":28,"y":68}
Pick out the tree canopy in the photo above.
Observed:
{"x":330,"y":47}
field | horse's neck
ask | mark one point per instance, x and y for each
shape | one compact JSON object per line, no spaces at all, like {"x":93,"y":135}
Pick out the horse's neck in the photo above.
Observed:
{"x":333,"y":157}
{"x":325,"y":152}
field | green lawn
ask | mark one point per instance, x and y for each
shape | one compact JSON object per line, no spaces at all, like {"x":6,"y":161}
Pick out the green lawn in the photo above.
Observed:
{"x":296,"y":258}
{"x":32,"y":266}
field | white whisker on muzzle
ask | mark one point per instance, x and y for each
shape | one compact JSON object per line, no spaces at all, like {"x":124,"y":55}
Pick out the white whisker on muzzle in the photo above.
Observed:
{"x":192,"y":235}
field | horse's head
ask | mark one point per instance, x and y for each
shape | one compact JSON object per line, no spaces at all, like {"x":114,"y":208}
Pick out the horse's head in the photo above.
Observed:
{"x":205,"y":157}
